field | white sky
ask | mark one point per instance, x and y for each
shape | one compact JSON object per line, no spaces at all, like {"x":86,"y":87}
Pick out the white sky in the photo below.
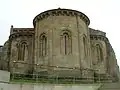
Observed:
{"x":103,"y":14}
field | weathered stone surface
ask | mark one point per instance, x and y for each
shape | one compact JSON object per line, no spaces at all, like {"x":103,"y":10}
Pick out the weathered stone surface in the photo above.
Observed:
{"x":60,"y":43}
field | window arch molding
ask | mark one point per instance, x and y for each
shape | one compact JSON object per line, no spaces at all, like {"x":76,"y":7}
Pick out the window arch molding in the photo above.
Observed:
{"x":66,"y":42}
{"x":98,"y":50}
{"x":43,"y":44}
{"x":22,"y":50}
{"x":66,"y":31}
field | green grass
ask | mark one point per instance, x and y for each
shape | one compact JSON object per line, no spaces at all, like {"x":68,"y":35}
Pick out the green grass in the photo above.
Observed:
{"x":47,"y":80}
{"x":52,"y":81}
{"x":20,"y":78}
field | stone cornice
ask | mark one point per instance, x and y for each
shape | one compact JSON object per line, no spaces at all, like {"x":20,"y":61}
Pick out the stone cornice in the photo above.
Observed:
{"x":20,"y":30}
{"x":96,"y":32}
{"x":98,"y":37}
{"x":15,"y":35}
{"x":63,"y":12}
{"x":23,"y":28}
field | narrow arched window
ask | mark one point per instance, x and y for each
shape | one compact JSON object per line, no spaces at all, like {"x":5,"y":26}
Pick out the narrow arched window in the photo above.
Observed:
{"x":84,"y":47}
{"x":66,"y":42}
{"x":99,"y":53}
{"x":43,"y":45}
{"x":22,"y":51}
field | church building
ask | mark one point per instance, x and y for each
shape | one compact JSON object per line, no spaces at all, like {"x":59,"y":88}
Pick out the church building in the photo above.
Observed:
{"x":61,"y":44}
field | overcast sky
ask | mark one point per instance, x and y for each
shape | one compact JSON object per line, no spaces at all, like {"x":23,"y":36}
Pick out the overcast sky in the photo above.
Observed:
{"x":103,"y":14}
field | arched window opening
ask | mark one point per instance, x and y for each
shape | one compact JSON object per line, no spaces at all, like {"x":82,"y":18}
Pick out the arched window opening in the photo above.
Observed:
{"x":84,"y":47}
{"x":99,"y":53}
{"x":66,"y":46}
{"x":43,"y":45}
{"x":66,"y":41}
{"x":22,"y":51}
